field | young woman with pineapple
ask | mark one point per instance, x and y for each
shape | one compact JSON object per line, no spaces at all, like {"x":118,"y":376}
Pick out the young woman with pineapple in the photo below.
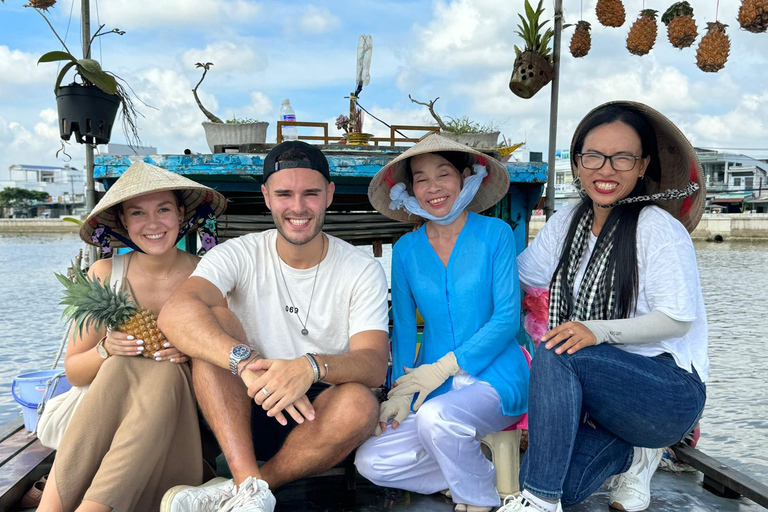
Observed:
{"x":624,"y":362}
{"x":135,"y":434}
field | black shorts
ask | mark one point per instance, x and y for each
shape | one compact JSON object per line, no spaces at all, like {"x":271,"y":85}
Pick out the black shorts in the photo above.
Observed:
{"x":267,"y":434}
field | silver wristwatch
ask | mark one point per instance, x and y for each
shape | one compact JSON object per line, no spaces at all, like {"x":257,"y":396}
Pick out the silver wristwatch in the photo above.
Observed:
{"x":237,"y":354}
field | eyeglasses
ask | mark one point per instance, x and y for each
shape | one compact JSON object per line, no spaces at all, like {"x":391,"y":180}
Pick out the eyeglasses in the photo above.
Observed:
{"x":619,"y":161}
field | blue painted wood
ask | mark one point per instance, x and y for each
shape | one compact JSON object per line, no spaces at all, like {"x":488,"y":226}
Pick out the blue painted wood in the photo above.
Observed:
{"x":234,"y":165}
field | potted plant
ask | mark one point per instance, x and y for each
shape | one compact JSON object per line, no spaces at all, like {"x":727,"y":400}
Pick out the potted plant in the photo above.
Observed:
{"x":88,"y":105}
{"x":353,"y":129}
{"x":533,"y":65}
{"x":462,"y":129}
{"x":233,"y":132}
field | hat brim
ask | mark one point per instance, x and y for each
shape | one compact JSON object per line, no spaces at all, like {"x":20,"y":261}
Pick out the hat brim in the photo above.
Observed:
{"x":678,"y":160}
{"x":493,"y":188}
{"x":142,"y":178}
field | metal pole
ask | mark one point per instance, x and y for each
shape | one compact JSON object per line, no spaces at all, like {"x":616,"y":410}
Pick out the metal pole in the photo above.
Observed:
{"x":90,"y":188}
{"x":550,"y":209}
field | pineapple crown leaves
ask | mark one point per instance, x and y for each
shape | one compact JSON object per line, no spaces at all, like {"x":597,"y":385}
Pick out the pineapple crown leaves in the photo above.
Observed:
{"x":716,"y":26}
{"x":91,"y":302}
{"x":677,"y":9}
{"x":648,"y":13}
{"x":530,"y":30}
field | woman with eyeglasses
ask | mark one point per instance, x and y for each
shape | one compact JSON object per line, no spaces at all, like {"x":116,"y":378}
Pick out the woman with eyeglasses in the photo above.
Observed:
{"x":621,"y":371}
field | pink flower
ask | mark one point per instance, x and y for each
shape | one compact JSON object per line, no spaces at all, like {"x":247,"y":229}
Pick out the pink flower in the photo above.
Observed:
{"x":536,"y":308}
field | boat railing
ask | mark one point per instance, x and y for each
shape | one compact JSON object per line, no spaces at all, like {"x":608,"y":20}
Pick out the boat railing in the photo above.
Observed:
{"x":396,"y":134}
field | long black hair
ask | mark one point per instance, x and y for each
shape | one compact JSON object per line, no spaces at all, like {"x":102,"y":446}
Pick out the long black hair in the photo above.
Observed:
{"x":622,"y":262}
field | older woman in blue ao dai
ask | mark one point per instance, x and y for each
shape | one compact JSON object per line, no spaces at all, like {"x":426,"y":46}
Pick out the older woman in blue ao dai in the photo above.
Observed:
{"x":469,"y":377}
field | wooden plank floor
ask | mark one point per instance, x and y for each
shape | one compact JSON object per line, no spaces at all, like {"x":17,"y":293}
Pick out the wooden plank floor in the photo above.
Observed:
{"x":22,"y":461}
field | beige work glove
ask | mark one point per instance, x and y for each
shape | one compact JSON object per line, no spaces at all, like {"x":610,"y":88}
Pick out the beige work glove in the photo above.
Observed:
{"x":425,"y":379}
{"x":395,"y":409}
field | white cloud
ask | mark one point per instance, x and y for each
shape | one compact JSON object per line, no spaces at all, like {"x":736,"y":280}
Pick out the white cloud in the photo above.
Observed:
{"x":318,"y":20}
{"x":21,"y":68}
{"x":175,"y":13}
{"x":229,"y":56}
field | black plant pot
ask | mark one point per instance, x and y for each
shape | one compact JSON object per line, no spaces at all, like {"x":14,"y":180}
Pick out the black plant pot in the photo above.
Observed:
{"x":86,"y":111}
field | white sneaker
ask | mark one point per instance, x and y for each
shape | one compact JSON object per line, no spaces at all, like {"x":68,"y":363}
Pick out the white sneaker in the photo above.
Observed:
{"x":631,"y":490}
{"x":253,"y":496}
{"x":518,"y":503}
{"x":205,"y":498}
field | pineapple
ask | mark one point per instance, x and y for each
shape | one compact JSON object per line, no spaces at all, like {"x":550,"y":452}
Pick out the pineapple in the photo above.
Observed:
{"x":713,"y":48}
{"x":581,"y":40}
{"x":681,"y":28}
{"x":753,"y":15}
{"x":642,"y":35}
{"x":610,"y":13}
{"x":93,"y":303}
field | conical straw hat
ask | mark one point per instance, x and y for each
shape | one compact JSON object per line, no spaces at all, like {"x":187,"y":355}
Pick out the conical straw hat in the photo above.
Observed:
{"x":493,"y":188}
{"x":679,"y":164}
{"x":143,"y":178}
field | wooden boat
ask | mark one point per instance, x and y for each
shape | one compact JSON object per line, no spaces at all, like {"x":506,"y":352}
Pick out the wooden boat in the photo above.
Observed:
{"x":352,"y":218}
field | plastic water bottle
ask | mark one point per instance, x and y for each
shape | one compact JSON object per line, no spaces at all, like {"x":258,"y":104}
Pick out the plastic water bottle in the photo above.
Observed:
{"x":287,"y":114}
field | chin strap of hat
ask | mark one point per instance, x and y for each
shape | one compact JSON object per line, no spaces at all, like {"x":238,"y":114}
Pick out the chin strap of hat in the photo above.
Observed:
{"x":401,"y":199}
{"x":667,"y":195}
{"x":103,"y":236}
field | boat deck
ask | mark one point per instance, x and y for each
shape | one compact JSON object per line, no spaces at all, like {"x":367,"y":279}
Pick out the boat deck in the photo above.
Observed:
{"x":671,"y":492}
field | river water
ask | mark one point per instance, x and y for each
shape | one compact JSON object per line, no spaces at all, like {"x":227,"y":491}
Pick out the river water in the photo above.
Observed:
{"x":735,"y":422}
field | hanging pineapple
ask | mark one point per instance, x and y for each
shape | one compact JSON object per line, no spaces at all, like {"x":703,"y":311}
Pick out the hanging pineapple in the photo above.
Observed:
{"x":753,"y":15}
{"x":713,"y":48}
{"x":581,"y":40}
{"x":93,"y":303}
{"x":642,"y":35}
{"x":610,"y":13}
{"x":681,"y":28}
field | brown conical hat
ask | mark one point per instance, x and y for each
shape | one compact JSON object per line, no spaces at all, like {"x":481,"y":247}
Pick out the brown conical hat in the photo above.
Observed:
{"x":679,"y":164}
{"x":143,"y":178}
{"x":493,"y":188}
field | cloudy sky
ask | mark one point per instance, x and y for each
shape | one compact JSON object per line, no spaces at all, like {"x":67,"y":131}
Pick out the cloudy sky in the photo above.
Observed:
{"x":459,"y":50}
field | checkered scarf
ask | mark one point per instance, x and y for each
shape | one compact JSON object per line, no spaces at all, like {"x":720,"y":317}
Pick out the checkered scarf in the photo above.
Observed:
{"x":597,"y":296}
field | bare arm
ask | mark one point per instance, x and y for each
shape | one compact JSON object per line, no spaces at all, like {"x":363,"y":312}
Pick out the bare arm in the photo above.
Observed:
{"x":82,"y":361}
{"x":189,"y":324}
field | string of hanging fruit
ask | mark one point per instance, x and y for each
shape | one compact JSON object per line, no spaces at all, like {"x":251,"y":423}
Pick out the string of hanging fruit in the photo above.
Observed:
{"x":714,"y":47}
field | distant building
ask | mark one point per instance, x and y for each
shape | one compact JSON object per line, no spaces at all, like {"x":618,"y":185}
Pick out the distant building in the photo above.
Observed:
{"x":733,"y":181}
{"x":65,"y":186}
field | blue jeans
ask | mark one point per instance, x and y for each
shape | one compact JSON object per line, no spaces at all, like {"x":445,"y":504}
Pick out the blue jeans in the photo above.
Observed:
{"x":588,"y":410}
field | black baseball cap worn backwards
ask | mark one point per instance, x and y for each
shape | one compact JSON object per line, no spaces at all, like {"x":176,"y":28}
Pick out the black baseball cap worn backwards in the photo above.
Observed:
{"x":317,"y":160}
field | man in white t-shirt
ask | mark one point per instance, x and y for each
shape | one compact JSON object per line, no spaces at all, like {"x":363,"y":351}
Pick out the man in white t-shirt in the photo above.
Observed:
{"x":287,"y":322}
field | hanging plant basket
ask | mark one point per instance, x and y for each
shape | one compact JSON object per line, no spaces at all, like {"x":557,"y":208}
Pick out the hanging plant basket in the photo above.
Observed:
{"x":532,"y":71}
{"x":86,"y":111}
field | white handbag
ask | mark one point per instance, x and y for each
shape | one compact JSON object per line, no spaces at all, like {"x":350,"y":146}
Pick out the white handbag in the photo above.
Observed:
{"x":58,"y":411}
{"x":56,"y":416}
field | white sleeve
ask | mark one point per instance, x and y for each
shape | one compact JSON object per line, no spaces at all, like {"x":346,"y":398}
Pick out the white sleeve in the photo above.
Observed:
{"x":219,"y":266}
{"x":368,"y":309}
{"x":671,"y":280}
{"x":537,"y":263}
{"x":650,"y":328}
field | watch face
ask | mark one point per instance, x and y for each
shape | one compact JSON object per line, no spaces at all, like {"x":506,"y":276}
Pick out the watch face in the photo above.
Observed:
{"x":241,"y":351}
{"x":102,"y":351}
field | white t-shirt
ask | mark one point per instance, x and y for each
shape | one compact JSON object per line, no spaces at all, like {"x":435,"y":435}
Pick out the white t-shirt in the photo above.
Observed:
{"x":350,"y":295}
{"x":667,"y":272}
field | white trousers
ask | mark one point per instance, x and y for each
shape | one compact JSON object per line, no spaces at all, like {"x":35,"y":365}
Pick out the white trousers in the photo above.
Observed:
{"x":438,"y":447}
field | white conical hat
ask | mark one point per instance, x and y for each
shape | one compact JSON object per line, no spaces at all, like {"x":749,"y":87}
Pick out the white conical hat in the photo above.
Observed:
{"x":143,"y":178}
{"x":493,"y":188}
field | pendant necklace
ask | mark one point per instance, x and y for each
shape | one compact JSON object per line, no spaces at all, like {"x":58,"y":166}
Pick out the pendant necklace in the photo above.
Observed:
{"x":304,"y":330}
